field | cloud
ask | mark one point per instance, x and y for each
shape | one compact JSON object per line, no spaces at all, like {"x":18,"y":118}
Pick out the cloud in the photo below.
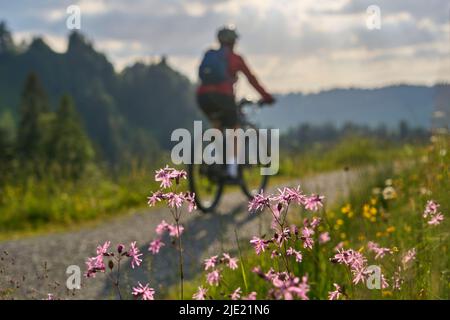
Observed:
{"x":436,"y":10}
{"x":304,"y":44}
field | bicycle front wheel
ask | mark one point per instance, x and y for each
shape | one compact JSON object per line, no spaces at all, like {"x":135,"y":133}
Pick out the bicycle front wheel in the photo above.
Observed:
{"x":206,"y":184}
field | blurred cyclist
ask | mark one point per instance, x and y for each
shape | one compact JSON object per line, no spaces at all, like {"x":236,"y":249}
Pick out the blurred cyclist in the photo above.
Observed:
{"x":218,"y":74}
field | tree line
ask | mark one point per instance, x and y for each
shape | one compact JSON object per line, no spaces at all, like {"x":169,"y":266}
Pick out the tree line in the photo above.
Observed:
{"x":305,"y":135}
{"x":46,"y":141}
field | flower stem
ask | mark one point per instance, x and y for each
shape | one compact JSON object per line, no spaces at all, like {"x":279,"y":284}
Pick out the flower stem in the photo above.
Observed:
{"x":180,"y":260}
{"x":118,"y":279}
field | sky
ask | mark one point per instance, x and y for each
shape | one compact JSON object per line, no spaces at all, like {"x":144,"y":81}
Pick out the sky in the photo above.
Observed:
{"x":292,"y":45}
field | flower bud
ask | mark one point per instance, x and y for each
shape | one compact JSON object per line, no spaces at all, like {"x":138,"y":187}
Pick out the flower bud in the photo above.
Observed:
{"x":120,"y":248}
{"x":110,"y":264}
{"x":279,"y":206}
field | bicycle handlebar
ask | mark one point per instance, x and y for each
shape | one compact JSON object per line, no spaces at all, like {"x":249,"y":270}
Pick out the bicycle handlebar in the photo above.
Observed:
{"x":244,"y":102}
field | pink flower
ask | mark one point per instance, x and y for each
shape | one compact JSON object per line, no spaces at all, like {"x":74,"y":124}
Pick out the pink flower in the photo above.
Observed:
{"x":258,"y":202}
{"x":173,"y":231}
{"x":339,"y":257}
{"x":279,"y":238}
{"x":324,"y":237}
{"x":272,"y":274}
{"x":431,"y":208}
{"x":102,"y":250}
{"x":287,"y":195}
{"x":164,"y":175}
{"x":286,"y":287}
{"x":371,"y":245}
{"x":314,"y":202}
{"x":200,"y":294}
{"x":236,"y":295}
{"x":436,"y":219}
{"x":174,"y":200}
{"x":431,"y":211}
{"x":154,"y":198}
{"x":231,"y":262}
{"x":409,"y":256}
{"x":397,"y":280}
{"x":274,"y":254}
{"x":213,"y":278}
{"x":258,"y":271}
{"x":307,"y":237}
{"x":210,"y":263}
{"x":162,"y":227}
{"x":190,"y":199}
{"x":135,"y":255}
{"x":251,"y":296}
{"x":144,"y":292}
{"x":379,"y":252}
{"x":359,"y":275}
{"x":335,"y":295}
{"x":178,"y":174}
{"x":50,"y":296}
{"x":259,"y":244}
{"x":353,"y":259}
{"x":155,"y":246}
{"x":292,"y":252}
{"x":315,"y":222}
{"x":94,"y":265}
{"x":384,"y":283}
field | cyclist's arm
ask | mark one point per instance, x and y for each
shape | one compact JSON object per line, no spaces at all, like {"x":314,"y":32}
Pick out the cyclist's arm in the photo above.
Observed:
{"x":252,"y":79}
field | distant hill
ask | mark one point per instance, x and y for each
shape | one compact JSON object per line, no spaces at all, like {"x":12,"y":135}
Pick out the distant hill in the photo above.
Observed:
{"x":125,"y":114}
{"x":372,"y":107}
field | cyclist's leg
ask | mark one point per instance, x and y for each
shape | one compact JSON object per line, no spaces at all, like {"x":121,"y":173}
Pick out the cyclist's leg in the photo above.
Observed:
{"x":222,"y":111}
{"x":211,"y":108}
{"x":229,"y":120}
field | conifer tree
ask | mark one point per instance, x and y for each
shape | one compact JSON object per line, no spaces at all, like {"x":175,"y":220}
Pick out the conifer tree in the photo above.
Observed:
{"x":6,"y":40}
{"x":69,"y":146}
{"x":32,"y":126}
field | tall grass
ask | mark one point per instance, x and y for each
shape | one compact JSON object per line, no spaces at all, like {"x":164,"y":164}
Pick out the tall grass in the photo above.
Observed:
{"x":349,"y":152}
{"x":47,"y":204}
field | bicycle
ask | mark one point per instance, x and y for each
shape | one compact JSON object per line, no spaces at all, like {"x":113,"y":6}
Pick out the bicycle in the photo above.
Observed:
{"x":209,"y":181}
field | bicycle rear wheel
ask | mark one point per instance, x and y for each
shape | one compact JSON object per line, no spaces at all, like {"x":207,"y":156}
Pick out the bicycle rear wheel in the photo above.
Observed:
{"x":206,"y":184}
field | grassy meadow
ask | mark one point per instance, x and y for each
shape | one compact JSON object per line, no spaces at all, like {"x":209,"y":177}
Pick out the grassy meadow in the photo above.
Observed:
{"x":49,"y":204}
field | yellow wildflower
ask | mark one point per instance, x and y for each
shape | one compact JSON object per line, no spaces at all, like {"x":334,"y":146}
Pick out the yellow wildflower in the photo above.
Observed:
{"x":390,"y":229}
{"x":387,"y":293}
{"x":346,"y":209}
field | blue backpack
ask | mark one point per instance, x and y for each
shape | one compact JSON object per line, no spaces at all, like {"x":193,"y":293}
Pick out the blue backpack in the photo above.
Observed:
{"x":214,"y":67}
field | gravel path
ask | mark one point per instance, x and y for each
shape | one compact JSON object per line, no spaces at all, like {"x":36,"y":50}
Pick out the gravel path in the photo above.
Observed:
{"x":206,"y":234}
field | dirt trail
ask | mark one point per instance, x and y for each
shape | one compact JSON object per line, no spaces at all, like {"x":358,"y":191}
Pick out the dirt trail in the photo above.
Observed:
{"x":206,"y":234}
